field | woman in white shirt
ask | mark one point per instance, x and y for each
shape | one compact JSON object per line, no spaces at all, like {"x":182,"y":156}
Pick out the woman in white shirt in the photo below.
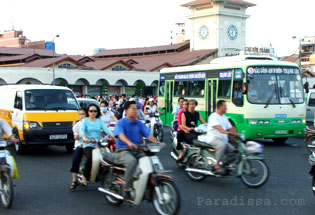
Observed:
{"x":78,"y":153}
{"x":151,"y":108}
{"x":107,"y":115}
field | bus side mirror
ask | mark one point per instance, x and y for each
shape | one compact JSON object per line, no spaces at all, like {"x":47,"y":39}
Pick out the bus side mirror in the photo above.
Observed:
{"x":245,"y":87}
{"x":18,"y":105}
{"x":307,"y":87}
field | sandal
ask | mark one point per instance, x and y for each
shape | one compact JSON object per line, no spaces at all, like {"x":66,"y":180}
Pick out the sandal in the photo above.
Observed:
{"x":74,"y":185}
{"x":84,"y":184}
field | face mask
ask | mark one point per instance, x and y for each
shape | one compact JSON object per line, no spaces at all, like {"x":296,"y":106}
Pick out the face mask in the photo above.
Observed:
{"x":104,"y":109}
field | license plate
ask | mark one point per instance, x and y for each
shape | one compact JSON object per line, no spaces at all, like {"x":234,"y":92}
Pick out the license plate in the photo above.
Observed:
{"x":58,"y":137}
{"x":281,"y":132}
{"x":2,"y":154}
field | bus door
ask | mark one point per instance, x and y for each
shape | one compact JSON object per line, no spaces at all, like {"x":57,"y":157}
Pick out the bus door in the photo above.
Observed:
{"x":212,"y":95}
{"x":169,"y":102}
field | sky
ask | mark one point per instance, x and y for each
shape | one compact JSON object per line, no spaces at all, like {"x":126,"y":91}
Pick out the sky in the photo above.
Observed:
{"x":85,"y":25}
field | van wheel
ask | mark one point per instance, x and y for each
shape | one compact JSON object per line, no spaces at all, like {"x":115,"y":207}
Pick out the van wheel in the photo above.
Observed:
{"x":69,"y":147}
{"x":19,"y":146}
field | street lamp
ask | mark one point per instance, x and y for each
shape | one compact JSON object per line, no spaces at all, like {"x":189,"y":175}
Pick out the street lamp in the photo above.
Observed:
{"x":54,"y":59}
{"x":300,"y":48}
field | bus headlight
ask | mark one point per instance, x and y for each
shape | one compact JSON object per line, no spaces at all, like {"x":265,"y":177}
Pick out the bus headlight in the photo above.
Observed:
{"x":266,"y":121}
{"x":304,"y":121}
{"x":252,"y":122}
{"x":30,"y":125}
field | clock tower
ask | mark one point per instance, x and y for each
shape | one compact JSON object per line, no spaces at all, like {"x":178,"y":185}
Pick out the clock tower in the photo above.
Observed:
{"x":218,"y":24}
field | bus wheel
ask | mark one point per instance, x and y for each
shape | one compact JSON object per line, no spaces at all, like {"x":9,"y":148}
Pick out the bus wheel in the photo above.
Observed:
{"x":280,"y":139}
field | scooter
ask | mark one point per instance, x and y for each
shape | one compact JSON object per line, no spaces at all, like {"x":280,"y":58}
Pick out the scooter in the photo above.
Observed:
{"x":245,"y":162}
{"x":155,"y":126}
{"x":8,"y":172}
{"x":309,"y":139}
{"x":312,"y":171}
{"x":150,"y":182}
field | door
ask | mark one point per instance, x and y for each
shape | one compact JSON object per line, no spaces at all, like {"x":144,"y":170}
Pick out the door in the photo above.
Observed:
{"x":17,"y":113}
{"x":212,"y":96}
{"x":310,"y":108}
{"x":169,"y":102}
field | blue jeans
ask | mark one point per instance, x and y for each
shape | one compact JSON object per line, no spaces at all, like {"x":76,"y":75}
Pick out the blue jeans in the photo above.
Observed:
{"x":78,"y":153}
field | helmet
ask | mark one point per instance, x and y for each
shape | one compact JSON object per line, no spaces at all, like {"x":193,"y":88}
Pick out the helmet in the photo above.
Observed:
{"x":254,"y":148}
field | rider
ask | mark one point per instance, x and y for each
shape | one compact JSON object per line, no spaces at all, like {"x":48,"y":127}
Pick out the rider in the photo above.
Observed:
{"x":178,"y":107}
{"x":219,"y":129}
{"x":129,"y":132}
{"x":180,"y":131}
{"x":190,"y":119}
{"x":90,"y":129}
{"x":6,"y":128}
{"x":151,"y":108}
{"x":107,"y":115}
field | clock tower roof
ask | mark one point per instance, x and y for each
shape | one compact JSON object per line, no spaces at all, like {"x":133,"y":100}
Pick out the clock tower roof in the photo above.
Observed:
{"x":201,"y":2}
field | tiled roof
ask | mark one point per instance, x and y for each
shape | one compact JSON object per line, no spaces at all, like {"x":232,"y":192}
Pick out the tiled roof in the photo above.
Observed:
{"x":49,"y":61}
{"x":80,"y":57}
{"x":293,"y":58}
{"x":200,"y":2}
{"x":8,"y":59}
{"x":141,"y":51}
{"x":152,"y":62}
{"x":23,"y":51}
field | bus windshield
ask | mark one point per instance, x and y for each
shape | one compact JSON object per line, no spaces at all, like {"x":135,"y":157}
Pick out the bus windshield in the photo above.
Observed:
{"x":50,"y":99}
{"x":274,"y":85}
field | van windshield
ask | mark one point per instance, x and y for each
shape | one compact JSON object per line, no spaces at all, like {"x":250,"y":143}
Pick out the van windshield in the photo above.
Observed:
{"x":47,"y":99}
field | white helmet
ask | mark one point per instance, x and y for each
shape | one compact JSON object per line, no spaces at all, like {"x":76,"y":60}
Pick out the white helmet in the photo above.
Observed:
{"x":254,"y":148}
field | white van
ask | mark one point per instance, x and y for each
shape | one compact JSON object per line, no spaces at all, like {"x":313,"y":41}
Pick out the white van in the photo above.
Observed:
{"x":39,"y":114}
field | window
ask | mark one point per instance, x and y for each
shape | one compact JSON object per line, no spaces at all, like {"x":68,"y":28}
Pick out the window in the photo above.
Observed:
{"x":162,"y":88}
{"x":196,"y":88}
{"x":66,"y":66}
{"x":181,"y":88}
{"x":18,"y":101}
{"x":311,"y":102}
{"x":237,"y":97}
{"x":118,"y":68}
{"x":224,"y":88}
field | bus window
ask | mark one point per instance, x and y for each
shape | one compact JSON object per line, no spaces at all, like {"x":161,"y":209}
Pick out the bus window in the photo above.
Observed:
{"x":162,"y":88}
{"x":237,"y":98}
{"x":196,"y":88}
{"x":181,"y":88}
{"x":224,"y":89}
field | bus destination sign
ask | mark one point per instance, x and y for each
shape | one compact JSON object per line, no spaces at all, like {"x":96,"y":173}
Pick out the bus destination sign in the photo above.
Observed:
{"x":273,"y":70}
{"x":190,"y":76}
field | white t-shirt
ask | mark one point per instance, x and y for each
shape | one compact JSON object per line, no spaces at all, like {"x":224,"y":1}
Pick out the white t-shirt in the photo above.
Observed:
{"x":76,"y":131}
{"x":213,"y":133}
{"x":151,"y":109}
{"x":5,"y":128}
{"x":107,"y":117}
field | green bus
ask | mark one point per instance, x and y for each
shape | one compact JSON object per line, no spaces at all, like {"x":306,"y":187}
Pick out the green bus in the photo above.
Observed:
{"x":265,"y":97}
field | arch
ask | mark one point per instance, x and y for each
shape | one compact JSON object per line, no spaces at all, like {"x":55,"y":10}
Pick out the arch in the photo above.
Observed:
{"x":2,"y":82}
{"x":61,"y":82}
{"x":29,"y":81}
{"x":121,"y":82}
{"x":101,"y":81}
{"x":139,"y":82}
{"x":154,"y":83}
{"x":82,"y":81}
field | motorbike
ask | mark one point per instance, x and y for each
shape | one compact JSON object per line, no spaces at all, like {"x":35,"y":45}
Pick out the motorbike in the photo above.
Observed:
{"x":309,"y":139}
{"x":199,"y":161}
{"x":8,"y":172}
{"x":155,"y":126}
{"x":312,"y":171}
{"x":150,"y":183}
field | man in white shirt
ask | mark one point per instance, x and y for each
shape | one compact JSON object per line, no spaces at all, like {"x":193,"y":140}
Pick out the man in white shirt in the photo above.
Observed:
{"x":219,"y":129}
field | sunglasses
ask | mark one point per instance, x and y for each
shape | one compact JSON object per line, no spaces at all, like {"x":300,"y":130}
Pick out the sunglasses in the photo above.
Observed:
{"x":93,"y":111}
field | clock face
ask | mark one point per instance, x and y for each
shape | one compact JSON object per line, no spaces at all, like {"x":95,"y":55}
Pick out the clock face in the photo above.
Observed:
{"x":232,"y":32}
{"x":203,"y":32}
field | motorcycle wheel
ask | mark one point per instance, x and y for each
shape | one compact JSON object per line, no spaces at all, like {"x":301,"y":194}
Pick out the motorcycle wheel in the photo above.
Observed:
{"x":252,"y":169}
{"x":196,"y":161}
{"x":309,"y":143}
{"x":7,"y":193}
{"x":108,"y":185}
{"x":171,"y":198}
{"x":159,"y":135}
{"x":313,"y":185}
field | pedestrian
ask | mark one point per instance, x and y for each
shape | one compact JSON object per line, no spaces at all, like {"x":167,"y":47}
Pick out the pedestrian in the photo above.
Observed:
{"x":78,"y":153}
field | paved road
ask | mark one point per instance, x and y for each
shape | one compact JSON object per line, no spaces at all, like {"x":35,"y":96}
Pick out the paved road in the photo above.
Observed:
{"x":43,"y":187}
